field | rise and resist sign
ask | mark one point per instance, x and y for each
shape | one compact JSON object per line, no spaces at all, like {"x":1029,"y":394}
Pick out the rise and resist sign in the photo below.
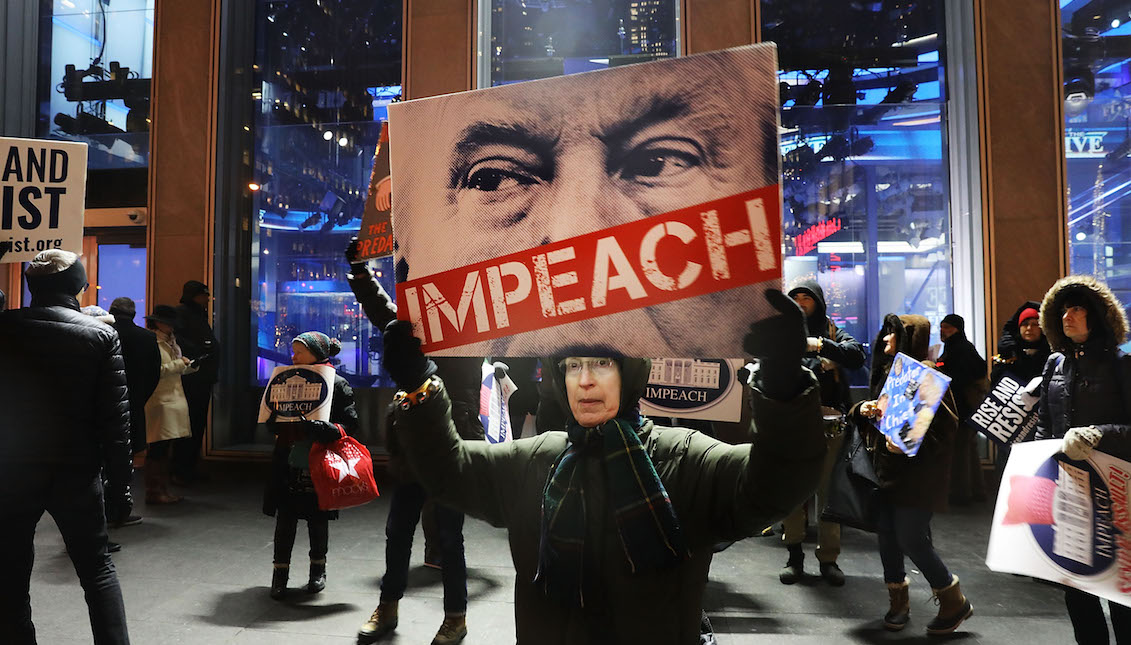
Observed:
{"x":714,"y":246}
{"x":42,"y":196}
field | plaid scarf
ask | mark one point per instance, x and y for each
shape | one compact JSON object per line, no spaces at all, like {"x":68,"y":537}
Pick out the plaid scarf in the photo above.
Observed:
{"x":646,"y":522}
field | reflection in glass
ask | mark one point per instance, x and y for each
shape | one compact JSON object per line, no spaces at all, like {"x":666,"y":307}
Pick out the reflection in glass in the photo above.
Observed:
{"x":522,"y":41}
{"x":864,"y":145}
{"x":1097,"y":120}
{"x":322,"y":77}
{"x":96,"y":62}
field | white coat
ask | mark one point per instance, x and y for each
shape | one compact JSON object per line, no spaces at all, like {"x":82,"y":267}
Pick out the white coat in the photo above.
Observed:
{"x":166,"y":412}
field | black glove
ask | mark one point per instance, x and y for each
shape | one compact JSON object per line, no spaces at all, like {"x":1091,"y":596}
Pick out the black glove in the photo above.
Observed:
{"x":119,"y":503}
{"x":322,"y":431}
{"x":406,"y":364}
{"x":356,"y":268}
{"x":779,"y":342}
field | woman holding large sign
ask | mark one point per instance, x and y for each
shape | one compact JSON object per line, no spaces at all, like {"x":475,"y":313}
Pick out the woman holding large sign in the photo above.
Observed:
{"x":912,"y":489}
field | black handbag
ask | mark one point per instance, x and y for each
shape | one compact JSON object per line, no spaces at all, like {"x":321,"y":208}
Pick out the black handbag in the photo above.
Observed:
{"x":852,"y":485}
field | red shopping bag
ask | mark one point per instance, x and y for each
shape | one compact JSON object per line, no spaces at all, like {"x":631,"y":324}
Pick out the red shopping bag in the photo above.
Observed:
{"x":342,"y":473}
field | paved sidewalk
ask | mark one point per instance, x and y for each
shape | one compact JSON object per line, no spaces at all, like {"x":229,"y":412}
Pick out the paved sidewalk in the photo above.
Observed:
{"x":197,"y":573}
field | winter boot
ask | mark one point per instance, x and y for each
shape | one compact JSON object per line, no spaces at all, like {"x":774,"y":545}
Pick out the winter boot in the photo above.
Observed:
{"x":832,"y":574}
{"x":279,"y":581}
{"x":794,"y":569}
{"x":900,"y":612}
{"x":452,"y":630}
{"x":317,"y":576}
{"x":157,"y":482}
{"x":953,"y":608}
{"x":381,"y":622}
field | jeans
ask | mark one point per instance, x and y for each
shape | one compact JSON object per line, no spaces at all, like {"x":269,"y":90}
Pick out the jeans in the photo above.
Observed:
{"x":404,"y":513}
{"x":187,"y":450}
{"x":286,"y":526}
{"x":828,"y":533}
{"x":73,"y":497}
{"x":1088,"y":620}
{"x":903,"y":530}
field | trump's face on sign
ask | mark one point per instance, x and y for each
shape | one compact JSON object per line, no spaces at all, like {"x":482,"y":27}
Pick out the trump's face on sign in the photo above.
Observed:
{"x":483,"y":174}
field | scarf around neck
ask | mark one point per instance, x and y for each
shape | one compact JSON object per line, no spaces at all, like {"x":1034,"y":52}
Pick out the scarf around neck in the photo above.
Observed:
{"x":646,"y":522}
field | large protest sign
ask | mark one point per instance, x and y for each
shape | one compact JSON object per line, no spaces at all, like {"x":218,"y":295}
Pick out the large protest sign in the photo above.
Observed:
{"x":42,"y":196}
{"x":298,"y":392}
{"x":375,"y":238}
{"x":633,"y":210}
{"x":1008,"y":414}
{"x":690,"y":388}
{"x":911,"y":395}
{"x":1064,"y":521}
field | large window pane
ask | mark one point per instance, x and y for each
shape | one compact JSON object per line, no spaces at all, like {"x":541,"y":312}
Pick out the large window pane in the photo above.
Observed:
{"x":522,"y":41}
{"x":96,"y":61}
{"x":1097,"y":73}
{"x":864,"y":143}
{"x":319,"y":78}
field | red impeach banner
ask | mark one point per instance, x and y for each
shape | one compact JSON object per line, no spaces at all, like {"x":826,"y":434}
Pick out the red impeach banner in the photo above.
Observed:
{"x":714,"y":246}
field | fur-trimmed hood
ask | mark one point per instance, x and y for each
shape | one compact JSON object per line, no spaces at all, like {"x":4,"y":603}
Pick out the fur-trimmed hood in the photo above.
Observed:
{"x":1103,"y":303}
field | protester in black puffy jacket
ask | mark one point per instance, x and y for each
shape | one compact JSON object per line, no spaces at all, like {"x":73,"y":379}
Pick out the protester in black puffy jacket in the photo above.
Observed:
{"x":66,"y":414}
{"x":1085,"y":395}
{"x":196,"y":339}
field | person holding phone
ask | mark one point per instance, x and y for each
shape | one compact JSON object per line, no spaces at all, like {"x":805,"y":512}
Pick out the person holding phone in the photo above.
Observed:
{"x":167,"y":410}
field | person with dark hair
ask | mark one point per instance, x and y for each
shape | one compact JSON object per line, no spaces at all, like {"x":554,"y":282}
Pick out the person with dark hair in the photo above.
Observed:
{"x":1086,"y":387}
{"x":829,"y":351}
{"x":912,"y":489}
{"x":289,"y":495}
{"x":194,"y":332}
{"x":60,"y":439}
{"x":612,"y":522}
{"x":966,"y":368}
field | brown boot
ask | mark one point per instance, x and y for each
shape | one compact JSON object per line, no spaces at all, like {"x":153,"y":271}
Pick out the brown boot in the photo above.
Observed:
{"x":900,"y":612}
{"x":157,"y":482}
{"x":953,"y":608}
{"x":381,"y":622}
{"x":452,"y":630}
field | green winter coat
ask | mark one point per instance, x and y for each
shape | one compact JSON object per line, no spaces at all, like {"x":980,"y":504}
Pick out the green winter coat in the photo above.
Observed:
{"x":719,"y":492}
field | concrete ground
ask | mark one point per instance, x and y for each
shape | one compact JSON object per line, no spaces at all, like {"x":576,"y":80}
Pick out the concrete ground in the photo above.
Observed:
{"x":198,"y":573}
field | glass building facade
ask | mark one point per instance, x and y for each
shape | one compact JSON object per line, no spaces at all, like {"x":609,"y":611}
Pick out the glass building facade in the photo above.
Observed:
{"x":1096,"y":44}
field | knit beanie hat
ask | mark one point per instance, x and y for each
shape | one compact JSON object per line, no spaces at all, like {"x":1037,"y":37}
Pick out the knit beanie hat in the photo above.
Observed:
{"x":1028,"y":314}
{"x":55,"y":272}
{"x":954,"y":320}
{"x":319,"y":344}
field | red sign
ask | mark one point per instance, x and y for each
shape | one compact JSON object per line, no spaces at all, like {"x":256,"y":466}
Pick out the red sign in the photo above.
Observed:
{"x":375,"y":239}
{"x":807,"y":240}
{"x":711,"y":247}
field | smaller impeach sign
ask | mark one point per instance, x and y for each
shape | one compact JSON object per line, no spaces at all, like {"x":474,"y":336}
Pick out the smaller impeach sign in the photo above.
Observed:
{"x":1065,"y":521}
{"x":909,"y":399}
{"x":691,"y":388}
{"x":1009,"y":413}
{"x":298,"y":392}
{"x":42,"y":197}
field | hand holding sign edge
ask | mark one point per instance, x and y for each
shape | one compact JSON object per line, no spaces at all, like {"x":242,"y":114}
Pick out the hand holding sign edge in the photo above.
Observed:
{"x":779,"y":342}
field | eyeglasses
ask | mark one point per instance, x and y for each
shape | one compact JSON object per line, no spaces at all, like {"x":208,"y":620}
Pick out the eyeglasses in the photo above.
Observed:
{"x":596,"y":366}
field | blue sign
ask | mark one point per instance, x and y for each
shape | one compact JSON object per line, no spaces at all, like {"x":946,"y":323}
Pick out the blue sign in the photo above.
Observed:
{"x":909,"y":399}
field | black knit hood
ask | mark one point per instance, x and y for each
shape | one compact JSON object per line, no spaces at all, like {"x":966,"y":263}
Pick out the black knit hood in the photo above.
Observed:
{"x":818,"y":322}
{"x":1103,"y":307}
